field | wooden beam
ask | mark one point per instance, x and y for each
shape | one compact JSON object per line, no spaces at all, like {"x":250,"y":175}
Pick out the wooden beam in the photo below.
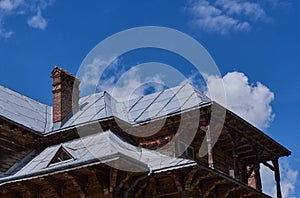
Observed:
{"x":195,"y":183}
{"x":32,"y":188}
{"x":112,"y":179}
{"x":177,"y":182}
{"x":269,"y":166}
{"x":250,"y":139}
{"x":11,"y":146}
{"x":258,"y":150}
{"x":246,"y":153}
{"x":56,"y":185}
{"x":248,"y":158}
{"x":225,"y":190}
{"x":26,"y":189}
{"x":102,"y":178}
{"x":123,"y":181}
{"x":81,"y":181}
{"x":152,"y":187}
{"x":235,"y":141}
{"x":190,"y":177}
{"x":209,"y":148}
{"x":11,"y":132}
{"x":208,"y":187}
{"x":277,"y":177}
{"x":142,"y":188}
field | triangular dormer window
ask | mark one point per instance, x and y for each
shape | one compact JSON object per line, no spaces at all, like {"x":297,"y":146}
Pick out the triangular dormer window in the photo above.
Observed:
{"x":62,"y":155}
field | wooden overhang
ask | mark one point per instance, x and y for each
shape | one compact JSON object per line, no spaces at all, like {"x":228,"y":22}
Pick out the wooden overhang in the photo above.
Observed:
{"x":16,"y":142}
{"x":103,"y":181}
{"x":257,"y":140}
{"x":249,"y":140}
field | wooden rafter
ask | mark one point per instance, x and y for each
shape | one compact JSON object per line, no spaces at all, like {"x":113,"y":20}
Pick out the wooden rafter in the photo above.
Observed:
{"x":32,"y":189}
{"x":225,"y":190}
{"x":152,"y":186}
{"x":208,"y":187}
{"x":123,"y":181}
{"x":190,"y":177}
{"x":200,"y":176}
{"x":79,"y":180}
{"x":102,"y":178}
{"x":56,"y":185}
{"x":11,"y":146}
{"x":178,"y":183}
{"x":269,"y":166}
{"x":142,"y":188}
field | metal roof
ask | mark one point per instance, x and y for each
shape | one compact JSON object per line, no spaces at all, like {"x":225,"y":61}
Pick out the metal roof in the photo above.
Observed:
{"x":102,"y":147}
{"x":99,"y":106}
{"x":24,"y":110}
{"x":163,"y":103}
{"x":38,"y":117}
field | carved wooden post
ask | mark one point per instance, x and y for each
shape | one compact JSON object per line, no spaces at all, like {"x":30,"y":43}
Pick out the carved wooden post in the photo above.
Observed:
{"x":209,"y":148}
{"x":257,"y":168}
{"x":277,"y":177}
{"x":235,"y":141}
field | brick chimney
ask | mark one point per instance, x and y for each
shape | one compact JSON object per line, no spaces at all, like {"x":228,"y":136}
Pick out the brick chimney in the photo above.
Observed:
{"x":65,"y":89}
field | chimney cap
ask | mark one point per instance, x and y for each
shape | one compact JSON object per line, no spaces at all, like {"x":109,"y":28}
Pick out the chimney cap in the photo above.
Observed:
{"x":59,"y":70}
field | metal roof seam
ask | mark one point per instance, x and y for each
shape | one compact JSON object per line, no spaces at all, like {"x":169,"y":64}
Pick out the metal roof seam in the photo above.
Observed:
{"x":148,"y":105}
{"x":169,"y":101}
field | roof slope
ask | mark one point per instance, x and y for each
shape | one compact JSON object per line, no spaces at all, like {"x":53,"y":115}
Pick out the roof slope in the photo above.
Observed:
{"x":91,"y":108}
{"x":160,"y":104}
{"x":104,"y":147}
{"x":23,"y":110}
{"x":38,"y":117}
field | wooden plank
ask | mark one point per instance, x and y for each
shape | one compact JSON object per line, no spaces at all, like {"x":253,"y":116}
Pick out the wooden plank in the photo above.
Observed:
{"x":11,"y":146}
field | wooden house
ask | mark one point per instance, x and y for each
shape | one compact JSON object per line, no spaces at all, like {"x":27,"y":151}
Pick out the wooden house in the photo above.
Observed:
{"x":96,"y":146}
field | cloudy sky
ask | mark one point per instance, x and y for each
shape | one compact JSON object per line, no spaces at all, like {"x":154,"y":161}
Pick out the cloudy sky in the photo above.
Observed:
{"x":255,"y":44}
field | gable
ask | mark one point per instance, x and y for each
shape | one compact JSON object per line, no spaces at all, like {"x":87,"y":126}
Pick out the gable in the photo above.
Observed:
{"x":62,"y":155}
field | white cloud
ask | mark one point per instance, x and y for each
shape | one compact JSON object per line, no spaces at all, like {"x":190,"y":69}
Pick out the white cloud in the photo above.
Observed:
{"x":9,"y":5}
{"x":288,"y":180}
{"x":37,"y":21}
{"x":268,"y":181}
{"x":250,"y":101}
{"x":226,"y":16}
{"x":23,"y":8}
{"x":242,"y":8}
{"x":6,"y":5}
{"x":109,"y":74}
{"x":4,"y":33}
{"x":91,"y":73}
{"x":208,"y":17}
{"x":130,"y":84}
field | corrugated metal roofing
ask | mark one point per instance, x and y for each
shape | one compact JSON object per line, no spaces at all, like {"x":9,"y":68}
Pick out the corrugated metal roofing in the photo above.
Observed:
{"x":38,"y":116}
{"x":103,"y":146}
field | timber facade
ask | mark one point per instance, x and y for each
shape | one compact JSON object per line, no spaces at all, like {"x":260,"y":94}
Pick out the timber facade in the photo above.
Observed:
{"x":97,"y":147}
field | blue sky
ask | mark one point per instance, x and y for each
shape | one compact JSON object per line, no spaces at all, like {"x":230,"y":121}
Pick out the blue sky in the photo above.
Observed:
{"x":253,"y":40}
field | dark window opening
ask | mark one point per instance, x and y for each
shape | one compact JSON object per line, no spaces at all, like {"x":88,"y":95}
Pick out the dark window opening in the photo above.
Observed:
{"x":62,"y":155}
